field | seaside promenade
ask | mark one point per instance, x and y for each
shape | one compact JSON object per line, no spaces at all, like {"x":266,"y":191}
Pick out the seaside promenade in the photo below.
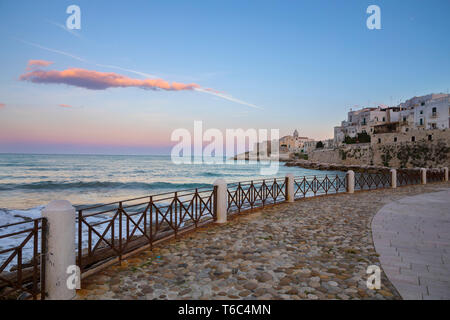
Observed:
{"x":316,"y":248}
{"x":412,"y":236}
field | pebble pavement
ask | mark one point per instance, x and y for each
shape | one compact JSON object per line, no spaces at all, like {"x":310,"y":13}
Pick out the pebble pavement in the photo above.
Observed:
{"x":318,"y":248}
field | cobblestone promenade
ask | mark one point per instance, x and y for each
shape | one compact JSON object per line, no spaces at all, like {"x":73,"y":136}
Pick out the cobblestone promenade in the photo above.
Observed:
{"x":317,"y":248}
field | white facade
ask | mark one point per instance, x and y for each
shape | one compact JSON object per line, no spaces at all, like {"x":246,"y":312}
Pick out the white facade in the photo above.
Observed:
{"x":359,"y":121}
{"x":328,"y":144}
{"x":293,"y":143}
{"x":417,"y":101}
{"x":433,"y":114}
{"x":309,"y":146}
{"x":425,"y":112}
{"x":287,"y":144}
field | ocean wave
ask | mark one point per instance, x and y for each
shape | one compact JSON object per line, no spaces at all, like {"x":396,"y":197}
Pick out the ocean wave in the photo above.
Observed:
{"x":222,"y":174}
{"x":8,"y":216}
{"x":54,"y":185}
{"x":211,"y":174}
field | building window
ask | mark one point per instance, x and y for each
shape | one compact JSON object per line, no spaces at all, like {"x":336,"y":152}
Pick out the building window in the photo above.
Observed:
{"x":384,"y":119}
{"x":422,"y":103}
{"x":379,"y":140}
{"x":434,"y":112}
{"x":406,"y":129}
{"x":413,"y":138}
{"x":421,"y":122}
{"x":404,"y":119}
{"x":395,"y":139}
{"x":430,"y":137}
{"x":421,"y":111}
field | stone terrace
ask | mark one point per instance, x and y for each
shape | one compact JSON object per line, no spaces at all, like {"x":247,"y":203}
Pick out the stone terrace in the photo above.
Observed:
{"x":317,"y":248}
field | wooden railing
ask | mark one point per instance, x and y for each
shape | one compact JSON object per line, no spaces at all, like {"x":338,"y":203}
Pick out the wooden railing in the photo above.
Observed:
{"x":367,"y":181}
{"x":111,"y":230}
{"x":408,"y":177}
{"x":310,"y":186}
{"x":255,"y":193}
{"x":435,"y":175}
{"x":23,"y":277}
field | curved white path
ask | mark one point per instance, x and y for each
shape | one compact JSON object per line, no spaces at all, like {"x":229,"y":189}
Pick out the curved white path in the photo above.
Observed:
{"x":412,"y":237}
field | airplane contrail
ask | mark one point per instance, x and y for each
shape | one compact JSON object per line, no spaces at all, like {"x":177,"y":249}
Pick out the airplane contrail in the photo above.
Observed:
{"x":54,"y":51}
{"x":128,"y":70}
{"x":72,"y":32}
{"x":227,"y":97}
{"x":87,"y":61}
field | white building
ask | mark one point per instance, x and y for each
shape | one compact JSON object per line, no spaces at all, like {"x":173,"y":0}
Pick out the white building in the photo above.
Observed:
{"x":287,"y":144}
{"x":359,"y":121}
{"x":312,"y":145}
{"x":328,"y":143}
{"x":433,"y":114}
{"x":309,"y":146}
{"x":425,"y":112}
{"x":293,"y":143}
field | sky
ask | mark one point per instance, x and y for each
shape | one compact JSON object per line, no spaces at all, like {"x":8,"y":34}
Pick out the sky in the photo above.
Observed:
{"x":138,"y":70}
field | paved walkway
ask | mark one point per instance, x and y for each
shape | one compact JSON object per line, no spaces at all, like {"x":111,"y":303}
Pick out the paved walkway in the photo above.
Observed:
{"x":317,"y":248}
{"x":412,"y":236}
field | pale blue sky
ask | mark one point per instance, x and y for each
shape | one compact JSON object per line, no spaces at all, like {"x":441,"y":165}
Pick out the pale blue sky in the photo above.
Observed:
{"x":304,"y":62}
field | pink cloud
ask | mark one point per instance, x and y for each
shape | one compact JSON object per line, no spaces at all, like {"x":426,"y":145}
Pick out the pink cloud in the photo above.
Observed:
{"x":95,"y":80}
{"x":38,"y":63}
{"x":2,"y":105}
{"x":64,"y":105}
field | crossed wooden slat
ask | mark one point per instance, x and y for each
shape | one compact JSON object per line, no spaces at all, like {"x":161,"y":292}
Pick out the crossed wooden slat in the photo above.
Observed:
{"x":101,"y":237}
{"x":304,"y":186}
{"x":17,"y":252}
{"x":254,"y":193}
{"x":234,"y":197}
{"x":433,"y":176}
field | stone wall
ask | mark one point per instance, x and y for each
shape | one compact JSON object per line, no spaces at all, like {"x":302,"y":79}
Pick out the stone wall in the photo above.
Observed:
{"x":355,"y":154}
{"x":416,"y":135}
{"x":324,"y":156}
{"x":417,"y":148}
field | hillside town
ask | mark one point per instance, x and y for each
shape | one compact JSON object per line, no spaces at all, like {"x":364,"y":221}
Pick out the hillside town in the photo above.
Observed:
{"x":428,"y":112}
{"x":414,"y":132}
